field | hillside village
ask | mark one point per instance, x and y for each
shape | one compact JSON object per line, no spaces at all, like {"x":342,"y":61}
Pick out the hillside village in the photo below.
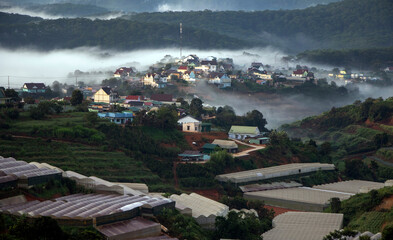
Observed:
{"x":187,"y":170}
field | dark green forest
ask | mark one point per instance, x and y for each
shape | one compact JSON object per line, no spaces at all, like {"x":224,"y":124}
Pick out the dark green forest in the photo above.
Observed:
{"x":373,"y":58}
{"x":346,"y":24}
{"x":111,"y":34}
{"x":154,"y":5}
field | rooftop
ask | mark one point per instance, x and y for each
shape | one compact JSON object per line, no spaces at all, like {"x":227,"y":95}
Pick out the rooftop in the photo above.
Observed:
{"x":243,"y":129}
{"x":353,"y":186}
{"x":225,"y":143}
{"x":303,"y":226}
{"x":272,"y":172}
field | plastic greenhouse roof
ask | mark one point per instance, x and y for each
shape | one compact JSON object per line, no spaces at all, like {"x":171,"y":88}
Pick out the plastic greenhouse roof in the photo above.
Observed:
{"x":303,"y":226}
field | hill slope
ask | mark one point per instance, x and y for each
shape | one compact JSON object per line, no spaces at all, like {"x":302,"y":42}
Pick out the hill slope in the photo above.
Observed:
{"x":116,"y":34}
{"x":346,"y":24}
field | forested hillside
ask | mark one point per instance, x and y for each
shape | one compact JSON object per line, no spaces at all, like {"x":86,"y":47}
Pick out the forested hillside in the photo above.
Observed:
{"x":186,"y":5}
{"x":346,"y":24}
{"x":363,"y":127}
{"x":371,"y":58}
{"x":115,"y":34}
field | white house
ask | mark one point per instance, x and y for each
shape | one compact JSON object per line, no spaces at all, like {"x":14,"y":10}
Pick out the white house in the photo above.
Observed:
{"x":106,"y":95}
{"x":190,"y":124}
{"x":242,"y":132}
{"x":150,"y":80}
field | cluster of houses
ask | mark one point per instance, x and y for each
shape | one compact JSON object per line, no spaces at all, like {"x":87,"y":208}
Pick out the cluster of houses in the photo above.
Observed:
{"x":349,"y":77}
{"x":106,"y":98}
{"x":247,"y":134}
{"x":189,"y":69}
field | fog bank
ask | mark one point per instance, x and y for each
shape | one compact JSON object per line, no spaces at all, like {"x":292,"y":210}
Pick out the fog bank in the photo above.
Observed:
{"x":26,"y":65}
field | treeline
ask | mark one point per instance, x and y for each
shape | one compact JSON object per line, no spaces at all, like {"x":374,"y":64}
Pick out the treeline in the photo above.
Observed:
{"x":371,"y":58}
{"x":345,"y":24}
{"x":115,"y":34}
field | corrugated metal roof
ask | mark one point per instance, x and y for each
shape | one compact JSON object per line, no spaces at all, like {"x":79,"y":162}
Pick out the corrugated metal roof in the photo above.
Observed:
{"x":244,"y":129}
{"x":225,"y":143}
{"x":209,"y":146}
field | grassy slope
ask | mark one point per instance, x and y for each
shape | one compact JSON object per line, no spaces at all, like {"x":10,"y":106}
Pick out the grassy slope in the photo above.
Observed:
{"x":84,"y":159}
{"x":77,"y":154}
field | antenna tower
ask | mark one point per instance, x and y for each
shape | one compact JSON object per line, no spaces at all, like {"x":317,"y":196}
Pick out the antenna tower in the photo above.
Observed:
{"x":181,"y":40}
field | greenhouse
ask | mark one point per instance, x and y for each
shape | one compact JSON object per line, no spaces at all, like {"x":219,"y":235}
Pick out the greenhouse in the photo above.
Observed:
{"x":352,"y":186}
{"x":27,"y":174}
{"x":100,"y":185}
{"x":274,"y":172}
{"x":303,"y":226}
{"x":90,"y":209}
{"x":204,"y":210}
{"x":301,"y":198}
{"x":130,"y":229}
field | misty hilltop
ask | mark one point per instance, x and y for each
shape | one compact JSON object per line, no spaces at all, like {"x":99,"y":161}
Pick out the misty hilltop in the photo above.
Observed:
{"x":346,"y":24}
{"x":168,"y":5}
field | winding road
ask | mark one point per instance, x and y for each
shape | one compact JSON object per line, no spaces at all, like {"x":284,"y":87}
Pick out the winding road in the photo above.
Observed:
{"x":246,"y":152}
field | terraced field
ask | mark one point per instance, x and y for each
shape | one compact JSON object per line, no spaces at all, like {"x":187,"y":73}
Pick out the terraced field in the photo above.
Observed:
{"x":85,"y":159}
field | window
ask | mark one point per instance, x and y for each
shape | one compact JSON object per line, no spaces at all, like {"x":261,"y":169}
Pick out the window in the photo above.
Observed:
{"x":196,"y":128}
{"x":188,"y":128}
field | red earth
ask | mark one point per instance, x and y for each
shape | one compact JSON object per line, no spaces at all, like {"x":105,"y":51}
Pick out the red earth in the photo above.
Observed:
{"x":201,"y":138}
{"x":209,"y":193}
{"x":278,"y":210}
{"x":387,"y":204}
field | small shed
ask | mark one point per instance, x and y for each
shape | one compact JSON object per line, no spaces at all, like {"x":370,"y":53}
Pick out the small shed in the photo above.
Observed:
{"x":209,"y":148}
{"x":230,"y":146}
{"x":261,"y":140}
{"x":191,"y":156}
{"x":206,"y":127}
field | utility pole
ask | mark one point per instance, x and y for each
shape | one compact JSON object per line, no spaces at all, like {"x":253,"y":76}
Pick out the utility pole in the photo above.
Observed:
{"x":8,"y":82}
{"x":181,"y":39}
{"x":76,"y":81}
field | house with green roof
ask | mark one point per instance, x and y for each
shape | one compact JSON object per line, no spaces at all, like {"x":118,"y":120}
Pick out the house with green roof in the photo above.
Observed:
{"x":243,"y":132}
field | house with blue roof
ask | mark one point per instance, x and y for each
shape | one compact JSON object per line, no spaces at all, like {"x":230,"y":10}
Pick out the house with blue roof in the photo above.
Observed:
{"x":117,"y":117}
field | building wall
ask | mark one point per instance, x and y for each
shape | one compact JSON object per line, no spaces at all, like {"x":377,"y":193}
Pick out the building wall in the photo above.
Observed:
{"x":101,"y":96}
{"x":191,"y":127}
{"x":241,"y":136}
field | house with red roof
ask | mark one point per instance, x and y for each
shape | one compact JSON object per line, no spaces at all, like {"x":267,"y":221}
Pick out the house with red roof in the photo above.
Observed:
{"x":182,"y":69}
{"x":123,"y":72}
{"x":162,"y":97}
{"x":134,"y":98}
{"x":300,"y":73}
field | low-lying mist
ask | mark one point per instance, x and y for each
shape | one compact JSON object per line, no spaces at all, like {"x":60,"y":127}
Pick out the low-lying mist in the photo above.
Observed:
{"x":31,"y":65}
{"x":26,"y":65}
{"x":45,"y":15}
